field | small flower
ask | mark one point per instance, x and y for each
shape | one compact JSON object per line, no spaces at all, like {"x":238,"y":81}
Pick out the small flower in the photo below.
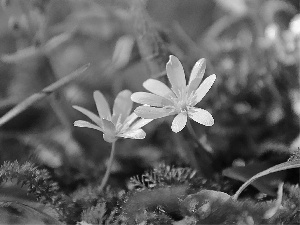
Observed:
{"x":180,"y":99}
{"x":119,"y":124}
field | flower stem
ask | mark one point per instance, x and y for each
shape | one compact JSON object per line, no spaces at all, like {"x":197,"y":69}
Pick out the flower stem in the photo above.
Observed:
{"x":109,"y":166}
{"x":205,"y":157}
{"x":194,"y":136}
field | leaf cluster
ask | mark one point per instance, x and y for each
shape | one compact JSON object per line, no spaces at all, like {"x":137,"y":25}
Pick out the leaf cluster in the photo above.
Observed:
{"x":39,"y":183}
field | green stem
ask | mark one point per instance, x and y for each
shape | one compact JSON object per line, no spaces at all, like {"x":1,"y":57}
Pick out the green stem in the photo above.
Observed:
{"x":205,"y":158}
{"x":195,"y":138}
{"x":109,"y":166}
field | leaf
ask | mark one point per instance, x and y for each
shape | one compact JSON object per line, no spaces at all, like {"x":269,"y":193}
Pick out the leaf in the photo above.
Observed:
{"x":272,"y":211}
{"x":56,"y":42}
{"x":266,"y":185}
{"x":54,"y":147}
{"x":204,"y":202}
{"x":31,"y":53}
{"x":280,"y":167}
{"x":237,"y":7}
{"x":13,"y":212}
{"x":23,"y":55}
{"x":25,"y":104}
{"x":152,"y":42}
{"x":122,"y":52}
{"x":92,"y":20}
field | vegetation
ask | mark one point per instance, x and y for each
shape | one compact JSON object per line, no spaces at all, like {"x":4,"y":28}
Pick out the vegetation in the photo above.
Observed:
{"x":150,"y":112}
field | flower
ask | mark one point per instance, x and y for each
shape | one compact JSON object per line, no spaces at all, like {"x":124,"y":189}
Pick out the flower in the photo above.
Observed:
{"x":180,"y":99}
{"x":120,"y":124}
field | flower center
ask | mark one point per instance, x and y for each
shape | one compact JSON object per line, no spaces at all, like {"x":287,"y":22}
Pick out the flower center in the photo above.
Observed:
{"x":182,"y":106}
{"x":181,"y":103}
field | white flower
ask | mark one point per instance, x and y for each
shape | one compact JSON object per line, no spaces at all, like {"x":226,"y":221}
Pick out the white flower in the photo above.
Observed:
{"x":180,"y":99}
{"x":119,"y":124}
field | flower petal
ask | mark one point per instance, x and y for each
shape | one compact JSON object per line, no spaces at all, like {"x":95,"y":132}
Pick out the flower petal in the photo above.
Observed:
{"x":102,"y":105}
{"x":89,"y":114}
{"x":140,"y":123}
{"x":108,"y":127}
{"x":82,"y":123}
{"x":134,"y":134}
{"x":204,"y":88}
{"x":175,"y":74}
{"x":159,"y":88}
{"x":129,"y":120}
{"x":201,"y":116}
{"x":109,"y":138}
{"x":196,"y":75}
{"x":150,"y":99}
{"x":179,"y":122}
{"x":122,"y":105}
{"x":148,"y":112}
{"x":198,"y":70}
{"x":109,"y":131}
{"x":193,"y":86}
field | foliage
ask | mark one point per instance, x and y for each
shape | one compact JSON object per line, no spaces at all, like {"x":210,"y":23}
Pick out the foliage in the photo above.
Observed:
{"x":163,"y":196}
{"x":39,"y":183}
{"x":162,"y":175}
{"x":178,"y":172}
{"x":97,"y":214}
{"x":166,"y":194}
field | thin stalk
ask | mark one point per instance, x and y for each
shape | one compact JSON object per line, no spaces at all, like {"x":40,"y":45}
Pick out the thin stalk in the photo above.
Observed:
{"x":186,"y":152}
{"x":54,"y":103}
{"x":58,"y":106}
{"x":194,"y":136}
{"x":25,"y":104}
{"x":109,"y":166}
{"x":205,"y":157}
{"x":279,"y":167}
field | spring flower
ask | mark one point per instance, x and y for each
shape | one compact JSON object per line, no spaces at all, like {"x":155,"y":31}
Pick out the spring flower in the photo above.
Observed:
{"x":180,"y":100}
{"x":120,"y":124}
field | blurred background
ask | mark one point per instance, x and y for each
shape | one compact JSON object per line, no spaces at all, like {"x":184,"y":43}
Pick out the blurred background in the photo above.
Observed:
{"x":251,"y":45}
